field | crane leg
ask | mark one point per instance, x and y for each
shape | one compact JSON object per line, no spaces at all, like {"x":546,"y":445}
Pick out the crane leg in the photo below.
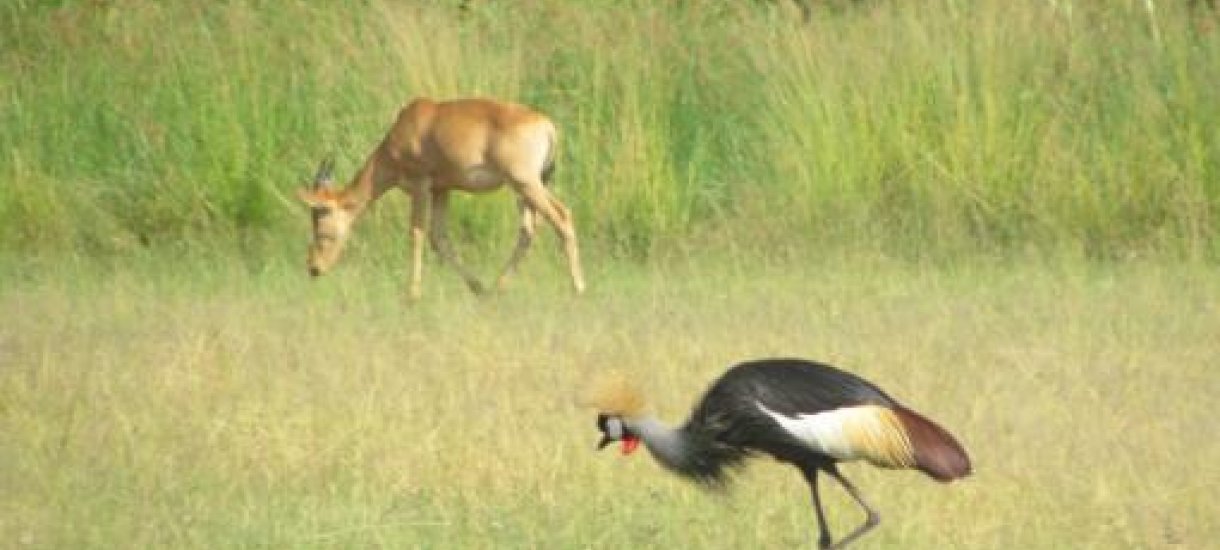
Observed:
{"x":811,"y":475}
{"x":873,"y":517}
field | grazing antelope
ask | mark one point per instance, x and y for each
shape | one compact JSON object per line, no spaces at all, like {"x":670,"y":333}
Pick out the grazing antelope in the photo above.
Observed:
{"x":807,"y":414}
{"x":433,"y":148}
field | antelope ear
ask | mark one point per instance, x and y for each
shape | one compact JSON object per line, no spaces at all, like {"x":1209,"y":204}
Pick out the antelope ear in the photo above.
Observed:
{"x":311,"y":198}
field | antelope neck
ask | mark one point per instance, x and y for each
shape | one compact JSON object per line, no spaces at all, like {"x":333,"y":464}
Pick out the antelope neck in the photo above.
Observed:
{"x":369,"y":184}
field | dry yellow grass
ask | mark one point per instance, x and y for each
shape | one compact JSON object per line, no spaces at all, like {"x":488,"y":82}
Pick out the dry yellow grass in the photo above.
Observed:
{"x":227,"y":408}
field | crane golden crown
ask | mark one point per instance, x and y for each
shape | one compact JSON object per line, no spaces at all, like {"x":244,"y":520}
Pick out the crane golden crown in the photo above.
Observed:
{"x":615,"y":394}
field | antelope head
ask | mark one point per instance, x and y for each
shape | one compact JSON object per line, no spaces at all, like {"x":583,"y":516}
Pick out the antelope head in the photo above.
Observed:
{"x":332,"y":219}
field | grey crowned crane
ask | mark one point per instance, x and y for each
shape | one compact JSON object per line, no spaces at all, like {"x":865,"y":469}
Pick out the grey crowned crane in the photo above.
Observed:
{"x":804,"y":413}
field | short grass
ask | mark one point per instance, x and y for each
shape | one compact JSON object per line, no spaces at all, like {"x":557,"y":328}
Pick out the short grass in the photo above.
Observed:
{"x":196,"y":403}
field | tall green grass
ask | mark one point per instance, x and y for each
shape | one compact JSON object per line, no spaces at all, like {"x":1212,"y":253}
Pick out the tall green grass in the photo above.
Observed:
{"x":920,"y":129}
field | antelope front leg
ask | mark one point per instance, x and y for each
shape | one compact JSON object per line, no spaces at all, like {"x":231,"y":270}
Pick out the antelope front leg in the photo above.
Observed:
{"x":525,"y":236}
{"x":419,"y":207}
{"x":440,"y":240}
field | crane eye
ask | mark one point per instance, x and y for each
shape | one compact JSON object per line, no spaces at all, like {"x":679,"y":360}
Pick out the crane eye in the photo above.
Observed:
{"x":613,"y":428}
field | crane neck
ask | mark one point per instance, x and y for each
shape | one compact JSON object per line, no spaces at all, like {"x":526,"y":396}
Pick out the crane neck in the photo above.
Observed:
{"x":667,"y":445}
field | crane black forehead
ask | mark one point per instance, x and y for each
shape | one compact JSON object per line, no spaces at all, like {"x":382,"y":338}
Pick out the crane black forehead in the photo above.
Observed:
{"x":601,"y":422}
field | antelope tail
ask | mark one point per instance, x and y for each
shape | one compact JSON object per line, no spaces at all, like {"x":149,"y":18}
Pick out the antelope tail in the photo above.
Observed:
{"x":548,"y":169}
{"x":936,"y":452}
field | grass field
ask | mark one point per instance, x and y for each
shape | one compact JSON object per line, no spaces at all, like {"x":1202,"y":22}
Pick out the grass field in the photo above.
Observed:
{"x":1004,"y":213}
{"x":929,"y":129}
{"x":211,"y":406}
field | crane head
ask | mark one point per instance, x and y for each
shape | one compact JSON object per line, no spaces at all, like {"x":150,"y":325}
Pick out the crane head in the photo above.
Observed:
{"x":618,"y":402}
{"x":613,"y":429}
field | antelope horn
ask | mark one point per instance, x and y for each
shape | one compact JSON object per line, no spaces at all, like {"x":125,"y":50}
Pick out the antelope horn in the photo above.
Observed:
{"x":326,"y":174}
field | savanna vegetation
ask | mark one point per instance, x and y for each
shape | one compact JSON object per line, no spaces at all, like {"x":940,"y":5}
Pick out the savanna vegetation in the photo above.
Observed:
{"x":1006,"y":213}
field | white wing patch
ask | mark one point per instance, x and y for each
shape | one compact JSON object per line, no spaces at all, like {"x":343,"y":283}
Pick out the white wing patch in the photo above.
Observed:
{"x":867,"y":432}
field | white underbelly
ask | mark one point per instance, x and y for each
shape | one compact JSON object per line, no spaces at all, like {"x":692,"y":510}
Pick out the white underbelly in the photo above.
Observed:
{"x":479,"y":178}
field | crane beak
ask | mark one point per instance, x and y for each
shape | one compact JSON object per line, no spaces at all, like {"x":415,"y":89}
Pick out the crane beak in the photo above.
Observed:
{"x":605,"y":441}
